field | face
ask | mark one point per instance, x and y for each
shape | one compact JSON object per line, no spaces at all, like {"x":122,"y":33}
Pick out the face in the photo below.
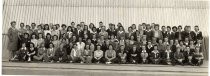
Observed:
{"x":160,"y":41}
{"x":33,"y":36}
{"x":23,"y":45}
{"x":110,"y":47}
{"x":21,"y":25}
{"x":87,"y":46}
{"x":13,"y":24}
{"x":143,"y":47}
{"x":51,"y":45}
{"x":163,"y":28}
{"x":26,"y":35}
{"x":98,"y":47}
{"x":122,"y":47}
{"x":31,"y":45}
{"x":155,"y":47}
{"x":156,"y":27}
{"x":134,"y":48}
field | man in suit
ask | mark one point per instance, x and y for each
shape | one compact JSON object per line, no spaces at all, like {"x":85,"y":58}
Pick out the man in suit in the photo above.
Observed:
{"x":78,"y":31}
{"x":179,"y":33}
{"x":170,"y":34}
{"x":164,"y":32}
{"x":148,"y":32}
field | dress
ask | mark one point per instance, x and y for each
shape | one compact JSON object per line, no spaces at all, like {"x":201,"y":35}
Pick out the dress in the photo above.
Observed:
{"x":13,"y":39}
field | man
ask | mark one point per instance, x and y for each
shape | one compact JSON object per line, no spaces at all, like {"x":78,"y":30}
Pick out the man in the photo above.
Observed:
{"x":148,"y":32}
{"x":100,"y":27}
{"x":167,"y":56}
{"x":78,"y":31}
{"x":179,"y":34}
{"x":164,"y":32}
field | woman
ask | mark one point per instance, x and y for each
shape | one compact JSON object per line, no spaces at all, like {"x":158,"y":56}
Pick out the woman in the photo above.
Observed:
{"x":39,"y":30}
{"x":122,"y":55}
{"x":40,"y":39}
{"x":110,"y":55}
{"x":69,"y":33}
{"x":55,"y":42}
{"x":13,"y":40}
{"x":61,"y":54}
{"x":31,"y":52}
{"x":144,"y":55}
{"x":21,"y":53}
{"x":62,"y":31}
{"x":26,"y":39}
{"x":98,"y":55}
{"x":155,"y":56}
{"x":85,"y":31}
{"x":50,"y":53}
{"x":47,"y":40}
{"x":46,"y":30}
{"x":87,"y":54}
{"x":198,"y":57}
{"x":121,"y":32}
{"x":21,"y":32}
{"x":91,"y":25}
{"x":133,"y":55}
{"x":34,"y":40}
{"x":55,"y":31}
{"x":75,"y":55}
{"x":41,"y":53}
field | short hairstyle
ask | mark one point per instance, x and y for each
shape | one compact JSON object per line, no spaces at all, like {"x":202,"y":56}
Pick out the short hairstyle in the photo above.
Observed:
{"x":13,"y":22}
{"x":63,"y":25}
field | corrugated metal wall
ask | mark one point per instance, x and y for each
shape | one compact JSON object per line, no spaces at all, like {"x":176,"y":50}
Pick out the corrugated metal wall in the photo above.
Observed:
{"x":65,"y":14}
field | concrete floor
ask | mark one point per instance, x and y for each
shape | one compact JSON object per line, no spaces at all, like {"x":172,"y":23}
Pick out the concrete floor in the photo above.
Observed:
{"x":14,"y":68}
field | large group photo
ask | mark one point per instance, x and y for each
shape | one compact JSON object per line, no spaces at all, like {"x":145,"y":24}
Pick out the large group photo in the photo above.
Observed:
{"x":105,"y":37}
{"x":81,"y":43}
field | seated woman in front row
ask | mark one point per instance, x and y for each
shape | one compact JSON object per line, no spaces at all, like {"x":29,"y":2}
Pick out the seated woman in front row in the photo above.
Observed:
{"x":50,"y":53}
{"x":110,"y":55}
{"x":87,"y":55}
{"x":122,"y":55}
{"x":41,"y":53}
{"x":155,"y":56}
{"x":31,"y":52}
{"x":21,"y":53}
{"x":75,"y":55}
{"x":144,"y":55}
{"x":98,"y":55}
{"x":61,"y":54}
{"x":178,"y":57}
{"x":198,"y":57}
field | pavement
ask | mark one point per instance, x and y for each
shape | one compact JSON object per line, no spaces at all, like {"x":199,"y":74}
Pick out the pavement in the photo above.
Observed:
{"x":76,"y":69}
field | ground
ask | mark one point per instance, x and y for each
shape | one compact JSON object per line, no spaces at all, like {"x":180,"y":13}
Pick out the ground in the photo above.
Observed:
{"x":17,"y":68}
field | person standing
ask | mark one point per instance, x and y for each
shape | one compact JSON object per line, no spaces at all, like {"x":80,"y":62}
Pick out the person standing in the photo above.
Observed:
{"x":13,"y":39}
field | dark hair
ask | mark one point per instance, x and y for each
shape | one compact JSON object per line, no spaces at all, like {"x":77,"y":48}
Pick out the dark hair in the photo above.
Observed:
{"x":56,"y":37}
{"x":26,"y":34}
{"x":169,"y":27}
{"x":180,"y":26}
{"x":63,"y":25}
{"x":31,"y":43}
{"x":13,"y":22}
{"x":41,"y":34}
{"x":22,"y":24}
{"x":174,"y":27}
{"x":46,"y":28}
{"x":51,"y":43}
{"x":68,"y":28}
{"x":34,"y":34}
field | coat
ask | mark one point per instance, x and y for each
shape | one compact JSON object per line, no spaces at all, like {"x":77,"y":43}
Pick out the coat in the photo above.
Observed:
{"x":13,"y":39}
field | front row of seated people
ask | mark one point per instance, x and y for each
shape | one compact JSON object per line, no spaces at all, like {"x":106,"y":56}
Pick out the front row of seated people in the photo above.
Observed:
{"x":134,"y":55}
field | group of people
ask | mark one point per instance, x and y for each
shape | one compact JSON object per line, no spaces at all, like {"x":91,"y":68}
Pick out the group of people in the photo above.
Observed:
{"x":81,"y":43}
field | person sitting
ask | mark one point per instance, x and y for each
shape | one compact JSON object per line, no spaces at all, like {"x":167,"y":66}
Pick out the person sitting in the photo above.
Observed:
{"x":167,"y":56}
{"x":75,"y":55}
{"x":144,"y":55}
{"x":40,"y":53}
{"x":188,"y":56}
{"x":133,"y":55}
{"x":87,"y":54}
{"x":31,"y":52}
{"x":178,"y":57}
{"x":50,"y":53}
{"x":61,"y":54}
{"x":21,"y":53}
{"x":122,"y":55}
{"x":198,"y":57}
{"x":110,"y":55}
{"x":155,"y":55}
{"x":98,"y":55}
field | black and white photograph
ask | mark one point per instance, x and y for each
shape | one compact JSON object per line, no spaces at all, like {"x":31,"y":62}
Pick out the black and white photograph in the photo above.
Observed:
{"x":105,"y":37}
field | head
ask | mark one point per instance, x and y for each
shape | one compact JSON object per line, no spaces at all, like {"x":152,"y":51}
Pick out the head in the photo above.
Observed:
{"x":98,"y":47}
{"x":110,"y":47}
{"x":13,"y":24}
{"x":22,"y":25}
